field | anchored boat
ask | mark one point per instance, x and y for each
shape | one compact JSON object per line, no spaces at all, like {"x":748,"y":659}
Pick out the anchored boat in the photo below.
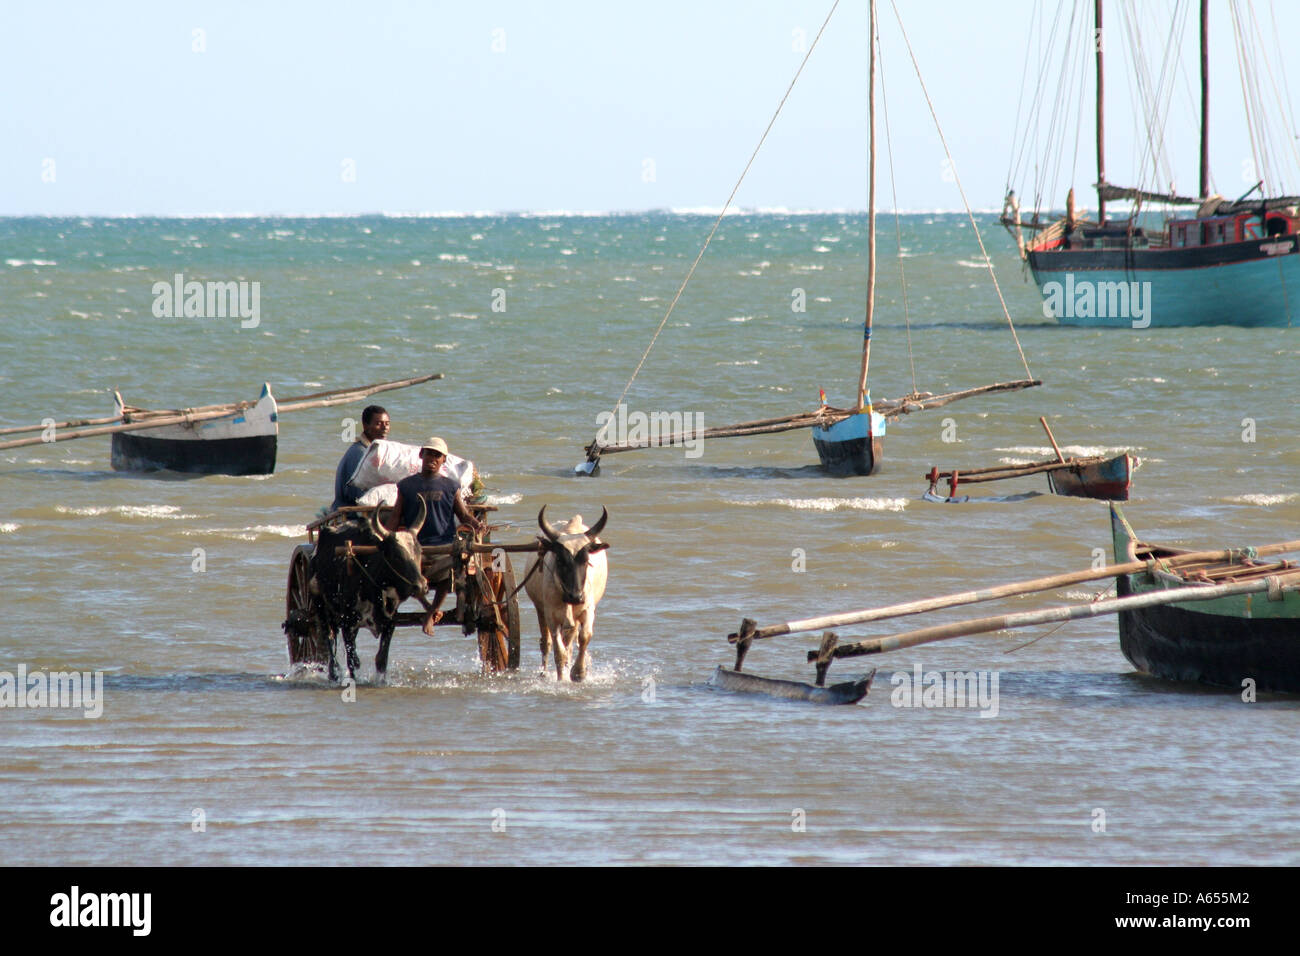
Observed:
{"x":1207,"y":260}
{"x":1223,"y":640}
{"x":1094,"y":476}
{"x":1220,"y":617}
{"x":242,"y":442}
{"x":235,"y":438}
{"x":848,"y":441}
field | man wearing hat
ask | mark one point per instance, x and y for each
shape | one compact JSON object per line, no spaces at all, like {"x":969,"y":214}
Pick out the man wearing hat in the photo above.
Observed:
{"x":442,"y":506}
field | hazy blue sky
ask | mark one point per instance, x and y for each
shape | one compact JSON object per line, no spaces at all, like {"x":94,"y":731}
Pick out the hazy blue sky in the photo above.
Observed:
{"x":532,"y":106}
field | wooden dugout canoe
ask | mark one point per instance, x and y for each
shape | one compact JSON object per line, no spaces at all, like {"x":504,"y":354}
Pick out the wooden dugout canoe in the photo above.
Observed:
{"x":1221,"y":641}
{"x":240,"y":443}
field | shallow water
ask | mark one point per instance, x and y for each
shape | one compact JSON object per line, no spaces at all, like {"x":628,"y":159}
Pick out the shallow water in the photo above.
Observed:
{"x":645,"y":762}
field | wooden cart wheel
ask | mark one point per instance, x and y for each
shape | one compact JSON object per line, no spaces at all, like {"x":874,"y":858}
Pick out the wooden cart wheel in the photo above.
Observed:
{"x":307,"y":637}
{"x":508,"y":585}
{"x":498,"y":635}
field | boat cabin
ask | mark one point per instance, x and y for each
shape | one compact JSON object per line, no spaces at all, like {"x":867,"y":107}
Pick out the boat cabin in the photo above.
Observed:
{"x":1109,"y":235}
{"x":1218,"y":230}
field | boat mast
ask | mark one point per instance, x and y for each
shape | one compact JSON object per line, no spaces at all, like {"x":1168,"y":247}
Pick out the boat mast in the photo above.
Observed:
{"x":1101,"y":129}
{"x":871,"y":215}
{"x":1205,"y":100}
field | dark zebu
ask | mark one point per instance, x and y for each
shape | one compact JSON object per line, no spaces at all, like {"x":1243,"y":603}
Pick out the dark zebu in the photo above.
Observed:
{"x":366,"y":591}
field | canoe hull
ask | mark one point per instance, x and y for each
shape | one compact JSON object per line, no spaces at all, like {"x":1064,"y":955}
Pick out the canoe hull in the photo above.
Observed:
{"x":1178,"y":643}
{"x":1222,"y":642}
{"x":852,"y":446}
{"x":253,"y":455}
{"x":1108,"y":480}
{"x":242,"y":443}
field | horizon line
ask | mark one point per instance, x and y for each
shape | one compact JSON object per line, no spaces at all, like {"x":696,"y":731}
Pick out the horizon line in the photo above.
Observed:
{"x":507,"y":214}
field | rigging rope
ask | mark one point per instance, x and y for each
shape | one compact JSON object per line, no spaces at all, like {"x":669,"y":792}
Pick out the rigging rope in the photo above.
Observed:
{"x":957,"y":179}
{"x":1243,"y":70}
{"x":1290,"y":109}
{"x":725,"y":206}
{"x":1268,"y":69}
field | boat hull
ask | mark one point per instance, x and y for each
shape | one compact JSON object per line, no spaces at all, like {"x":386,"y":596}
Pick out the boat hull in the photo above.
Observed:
{"x":1108,"y":480}
{"x":852,"y":446}
{"x":243,"y":443}
{"x":1253,"y":284}
{"x":1222,"y":642}
{"x":254,"y":455}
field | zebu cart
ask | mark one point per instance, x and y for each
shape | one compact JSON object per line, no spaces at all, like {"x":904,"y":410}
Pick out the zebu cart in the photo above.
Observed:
{"x":482,"y":583}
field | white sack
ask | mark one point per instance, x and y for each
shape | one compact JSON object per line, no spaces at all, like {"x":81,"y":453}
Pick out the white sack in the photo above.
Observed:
{"x":387,"y":462}
{"x":379,"y":495}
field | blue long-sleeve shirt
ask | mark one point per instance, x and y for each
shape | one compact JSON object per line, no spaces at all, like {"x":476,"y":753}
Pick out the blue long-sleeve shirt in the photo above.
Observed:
{"x":346,"y":493}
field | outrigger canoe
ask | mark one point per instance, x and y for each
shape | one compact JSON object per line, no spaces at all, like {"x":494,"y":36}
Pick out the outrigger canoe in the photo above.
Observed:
{"x":1221,"y":641}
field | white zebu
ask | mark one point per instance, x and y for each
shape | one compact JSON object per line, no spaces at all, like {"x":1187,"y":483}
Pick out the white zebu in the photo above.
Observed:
{"x":567,"y":588}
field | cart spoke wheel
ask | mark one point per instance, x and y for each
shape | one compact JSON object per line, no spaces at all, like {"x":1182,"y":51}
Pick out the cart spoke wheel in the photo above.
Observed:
{"x":494,"y":634}
{"x":307,"y":637}
{"x":508,"y":585}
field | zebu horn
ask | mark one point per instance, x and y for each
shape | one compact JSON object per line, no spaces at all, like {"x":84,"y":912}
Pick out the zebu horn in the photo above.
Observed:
{"x":420,"y":518}
{"x":378,"y":530}
{"x":550,"y":532}
{"x":599,"y":525}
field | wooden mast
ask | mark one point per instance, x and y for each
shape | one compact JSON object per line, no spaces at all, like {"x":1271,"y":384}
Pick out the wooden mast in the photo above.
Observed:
{"x":1101,"y":128}
{"x":871,"y":215}
{"x":1205,"y":100}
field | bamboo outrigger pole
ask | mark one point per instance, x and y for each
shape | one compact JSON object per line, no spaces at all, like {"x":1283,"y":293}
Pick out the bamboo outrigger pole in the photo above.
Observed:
{"x":77,"y":423}
{"x":1004,"y":591}
{"x":341,"y":396}
{"x":891,"y":409}
{"x":145,"y":418}
{"x":1068,"y":612}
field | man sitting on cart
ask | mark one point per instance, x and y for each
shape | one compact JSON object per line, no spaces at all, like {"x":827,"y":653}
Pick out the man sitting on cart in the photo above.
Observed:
{"x":443,"y":504}
{"x":374,"y":425}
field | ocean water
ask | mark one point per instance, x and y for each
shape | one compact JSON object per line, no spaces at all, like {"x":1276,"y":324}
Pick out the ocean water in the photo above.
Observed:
{"x":537,"y":323}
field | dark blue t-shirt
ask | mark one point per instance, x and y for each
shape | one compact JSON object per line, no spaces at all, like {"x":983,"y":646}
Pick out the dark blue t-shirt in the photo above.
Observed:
{"x":439,"y":494}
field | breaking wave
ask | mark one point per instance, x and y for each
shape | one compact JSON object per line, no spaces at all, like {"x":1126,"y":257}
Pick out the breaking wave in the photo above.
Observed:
{"x":128,"y":511}
{"x":828,"y":504}
{"x":253,"y":533}
{"x":1041,"y":452}
{"x":1263,"y":501}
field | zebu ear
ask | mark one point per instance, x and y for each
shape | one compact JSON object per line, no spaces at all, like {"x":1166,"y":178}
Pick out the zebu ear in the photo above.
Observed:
{"x":378,"y":530}
{"x":599,"y":525}
{"x":419,"y":518}
{"x":597,"y":546}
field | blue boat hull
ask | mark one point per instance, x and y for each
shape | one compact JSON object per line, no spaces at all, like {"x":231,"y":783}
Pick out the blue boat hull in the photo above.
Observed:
{"x":1253,"y":284}
{"x":851,"y":446}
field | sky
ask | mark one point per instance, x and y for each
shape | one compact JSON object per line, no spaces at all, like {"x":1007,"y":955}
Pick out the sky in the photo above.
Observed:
{"x":397,"y":106}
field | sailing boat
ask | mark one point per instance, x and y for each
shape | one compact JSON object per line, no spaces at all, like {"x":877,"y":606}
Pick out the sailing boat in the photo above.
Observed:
{"x":1218,"y":262}
{"x":852,"y":446}
{"x":848,"y":440}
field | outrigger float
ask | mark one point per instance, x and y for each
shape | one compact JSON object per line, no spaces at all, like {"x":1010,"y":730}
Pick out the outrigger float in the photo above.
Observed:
{"x":233,"y":438}
{"x":1220,"y":617}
